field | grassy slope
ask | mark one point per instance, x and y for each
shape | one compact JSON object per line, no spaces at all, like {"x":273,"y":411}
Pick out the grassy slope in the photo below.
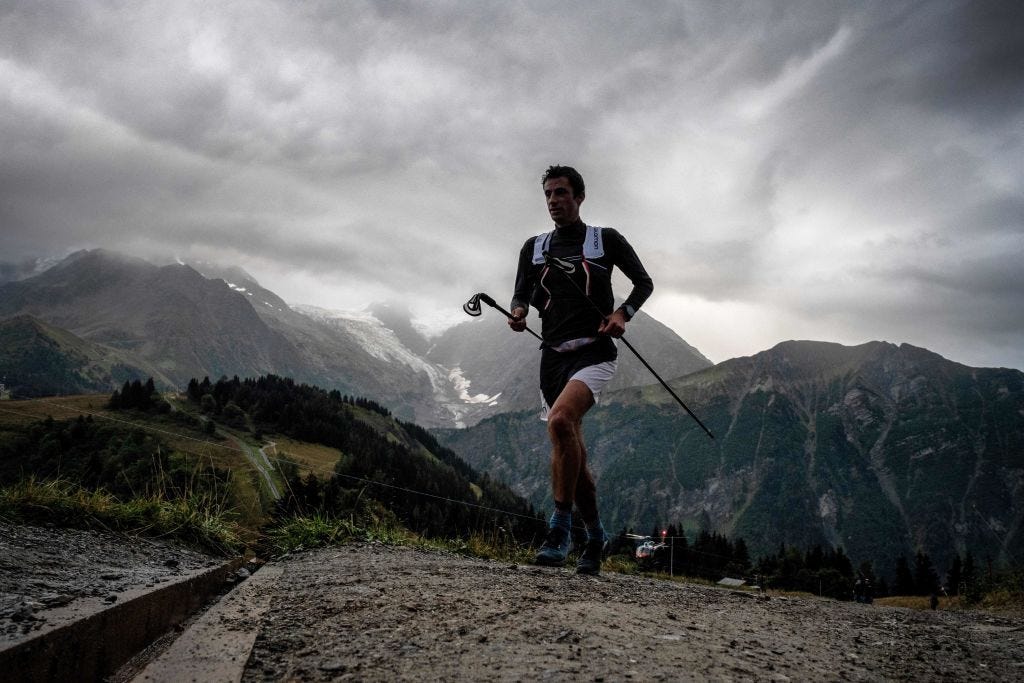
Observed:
{"x":244,"y":493}
{"x":247,"y":493}
{"x":37,"y":355}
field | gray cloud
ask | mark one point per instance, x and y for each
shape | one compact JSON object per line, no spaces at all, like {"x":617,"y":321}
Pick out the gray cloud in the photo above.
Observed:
{"x":851,"y":168}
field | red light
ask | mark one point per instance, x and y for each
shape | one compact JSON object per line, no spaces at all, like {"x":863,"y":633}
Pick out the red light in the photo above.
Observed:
{"x":664,"y":532}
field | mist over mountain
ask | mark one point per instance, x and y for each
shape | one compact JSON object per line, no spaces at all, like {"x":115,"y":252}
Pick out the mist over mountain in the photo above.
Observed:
{"x":10,"y":272}
{"x":880,"y":449}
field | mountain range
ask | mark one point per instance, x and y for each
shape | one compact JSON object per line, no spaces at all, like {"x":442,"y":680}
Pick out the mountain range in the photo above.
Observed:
{"x":106,"y":317}
{"x":880,"y":449}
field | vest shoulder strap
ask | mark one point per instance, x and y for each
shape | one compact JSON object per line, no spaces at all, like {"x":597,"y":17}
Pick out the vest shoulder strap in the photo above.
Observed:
{"x":593,"y":244}
{"x":540,"y":245}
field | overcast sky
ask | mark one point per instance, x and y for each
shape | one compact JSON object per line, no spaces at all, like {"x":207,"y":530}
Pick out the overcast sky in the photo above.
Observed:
{"x":823,"y":170}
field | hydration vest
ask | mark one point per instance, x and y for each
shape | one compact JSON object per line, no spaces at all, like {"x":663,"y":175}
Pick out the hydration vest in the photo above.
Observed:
{"x":593,"y":245}
{"x":593,"y":248}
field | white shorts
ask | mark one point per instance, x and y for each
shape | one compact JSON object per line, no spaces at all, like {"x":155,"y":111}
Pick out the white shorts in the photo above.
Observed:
{"x":594,"y":376}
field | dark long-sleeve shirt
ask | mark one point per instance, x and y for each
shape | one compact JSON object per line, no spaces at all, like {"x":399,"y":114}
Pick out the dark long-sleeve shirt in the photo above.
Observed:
{"x":564,"y":313}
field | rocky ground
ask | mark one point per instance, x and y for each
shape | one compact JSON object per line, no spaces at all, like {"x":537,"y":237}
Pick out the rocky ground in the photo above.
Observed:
{"x":380,"y":613}
{"x":46,"y":568}
{"x":373,"y":612}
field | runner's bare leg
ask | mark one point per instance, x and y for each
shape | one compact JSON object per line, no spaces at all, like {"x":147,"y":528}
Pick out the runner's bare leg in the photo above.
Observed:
{"x":571,"y":479}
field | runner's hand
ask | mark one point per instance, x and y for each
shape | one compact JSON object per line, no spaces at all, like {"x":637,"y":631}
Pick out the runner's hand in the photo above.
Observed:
{"x":614,"y":325}
{"x":518,"y":322}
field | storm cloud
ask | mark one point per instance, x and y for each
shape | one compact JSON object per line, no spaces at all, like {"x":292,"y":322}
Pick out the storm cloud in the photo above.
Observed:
{"x":833,"y":171}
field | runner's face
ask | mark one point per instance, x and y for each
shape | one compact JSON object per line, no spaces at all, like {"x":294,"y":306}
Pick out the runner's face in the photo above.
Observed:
{"x":563,"y":207}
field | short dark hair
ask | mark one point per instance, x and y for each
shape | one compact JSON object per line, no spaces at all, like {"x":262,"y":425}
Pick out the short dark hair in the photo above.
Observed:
{"x":570,"y":173}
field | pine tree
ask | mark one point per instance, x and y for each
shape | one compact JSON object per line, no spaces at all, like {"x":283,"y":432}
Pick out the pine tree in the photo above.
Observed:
{"x":955,"y":576}
{"x":926,"y":580}
{"x":970,"y":577}
{"x":740,"y":557}
{"x":904,"y":579}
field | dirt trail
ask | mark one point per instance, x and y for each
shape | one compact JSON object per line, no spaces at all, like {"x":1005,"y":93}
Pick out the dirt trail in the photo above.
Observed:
{"x":380,"y":613}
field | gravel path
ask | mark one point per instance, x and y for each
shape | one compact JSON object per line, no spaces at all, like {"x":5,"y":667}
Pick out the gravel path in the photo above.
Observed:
{"x":379,"y":613}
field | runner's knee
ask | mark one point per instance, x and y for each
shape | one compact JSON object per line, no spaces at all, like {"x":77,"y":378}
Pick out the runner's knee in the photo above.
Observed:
{"x":561,"y":425}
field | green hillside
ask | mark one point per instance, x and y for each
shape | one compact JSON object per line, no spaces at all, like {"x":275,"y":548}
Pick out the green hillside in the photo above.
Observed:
{"x":37,"y":359}
{"x":220,"y":440}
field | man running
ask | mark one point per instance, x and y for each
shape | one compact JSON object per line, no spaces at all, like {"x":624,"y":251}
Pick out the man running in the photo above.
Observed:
{"x":558,"y":272}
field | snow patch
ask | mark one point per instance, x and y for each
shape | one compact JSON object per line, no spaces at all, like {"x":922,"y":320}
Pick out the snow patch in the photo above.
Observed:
{"x":461,"y":385}
{"x":923,"y":453}
{"x":827,"y":505}
{"x":449,"y":386}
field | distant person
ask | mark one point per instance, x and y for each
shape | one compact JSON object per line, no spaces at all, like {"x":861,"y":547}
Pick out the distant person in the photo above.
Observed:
{"x":578,"y":355}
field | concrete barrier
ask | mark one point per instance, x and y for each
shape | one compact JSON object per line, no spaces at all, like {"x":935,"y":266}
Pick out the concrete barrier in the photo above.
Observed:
{"x":216,"y":646}
{"x":89,"y":639}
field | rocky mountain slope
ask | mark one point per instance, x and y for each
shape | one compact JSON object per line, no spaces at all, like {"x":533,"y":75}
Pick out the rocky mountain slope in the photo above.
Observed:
{"x":170,"y":317}
{"x":880,"y":449}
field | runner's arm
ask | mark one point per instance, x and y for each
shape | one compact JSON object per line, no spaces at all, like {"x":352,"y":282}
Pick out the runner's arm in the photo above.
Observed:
{"x":624,"y":256}
{"x":523,"y":291}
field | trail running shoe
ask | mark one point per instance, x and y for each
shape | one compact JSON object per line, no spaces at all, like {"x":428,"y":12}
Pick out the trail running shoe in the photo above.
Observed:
{"x":590,"y":558}
{"x":555,"y":548}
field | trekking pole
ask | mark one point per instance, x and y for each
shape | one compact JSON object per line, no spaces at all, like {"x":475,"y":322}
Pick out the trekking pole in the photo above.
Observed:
{"x":565,"y":267}
{"x":472,"y":307}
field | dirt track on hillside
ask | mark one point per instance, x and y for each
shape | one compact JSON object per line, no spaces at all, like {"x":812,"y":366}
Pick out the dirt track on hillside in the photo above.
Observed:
{"x":380,"y":613}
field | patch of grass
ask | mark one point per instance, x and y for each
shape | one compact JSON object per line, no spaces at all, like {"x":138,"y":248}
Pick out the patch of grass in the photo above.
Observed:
{"x":304,"y":533}
{"x":310,"y":457}
{"x":196,"y":520}
{"x":998,"y":599}
{"x":496,"y":545}
{"x":1005,"y":598}
{"x":620,"y":564}
{"x":307,"y":532}
{"x":20,"y":412}
{"x":905,"y":601}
